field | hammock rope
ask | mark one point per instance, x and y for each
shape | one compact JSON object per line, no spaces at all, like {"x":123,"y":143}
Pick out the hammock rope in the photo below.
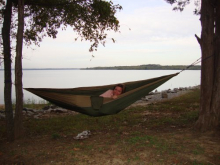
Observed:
{"x":196,"y":62}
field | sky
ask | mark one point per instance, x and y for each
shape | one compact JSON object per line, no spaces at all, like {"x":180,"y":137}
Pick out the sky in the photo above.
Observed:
{"x":150,"y":33}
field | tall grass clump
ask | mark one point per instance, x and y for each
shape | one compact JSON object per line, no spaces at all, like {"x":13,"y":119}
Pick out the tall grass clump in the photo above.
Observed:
{"x":35,"y":104}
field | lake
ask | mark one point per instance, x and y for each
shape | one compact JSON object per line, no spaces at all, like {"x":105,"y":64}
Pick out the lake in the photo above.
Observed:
{"x":82,"y":78}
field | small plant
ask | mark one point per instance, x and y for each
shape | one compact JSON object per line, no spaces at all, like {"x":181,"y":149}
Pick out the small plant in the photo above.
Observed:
{"x":198,"y":150}
{"x":142,"y":140}
{"x":72,"y":152}
{"x":195,"y":162}
{"x":56,"y":136}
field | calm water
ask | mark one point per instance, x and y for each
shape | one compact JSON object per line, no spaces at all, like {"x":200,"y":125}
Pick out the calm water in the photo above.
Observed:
{"x":80,"y":78}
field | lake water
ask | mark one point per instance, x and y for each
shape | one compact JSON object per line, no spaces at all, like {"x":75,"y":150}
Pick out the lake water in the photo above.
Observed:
{"x":82,"y":78}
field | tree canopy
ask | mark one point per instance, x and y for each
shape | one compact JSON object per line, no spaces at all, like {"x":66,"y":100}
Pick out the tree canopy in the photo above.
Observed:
{"x":181,"y":4}
{"x":90,"y":19}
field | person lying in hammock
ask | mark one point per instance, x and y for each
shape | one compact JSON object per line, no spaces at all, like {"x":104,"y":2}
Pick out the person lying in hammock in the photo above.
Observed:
{"x":117,"y":90}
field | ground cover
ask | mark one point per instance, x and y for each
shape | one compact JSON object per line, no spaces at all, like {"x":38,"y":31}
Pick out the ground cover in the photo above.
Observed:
{"x":158,"y":133}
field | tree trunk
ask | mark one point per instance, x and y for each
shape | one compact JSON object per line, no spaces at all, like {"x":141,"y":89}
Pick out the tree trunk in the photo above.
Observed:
{"x":7,"y":70}
{"x":215,"y":105}
{"x":18,"y":72}
{"x":210,"y":70}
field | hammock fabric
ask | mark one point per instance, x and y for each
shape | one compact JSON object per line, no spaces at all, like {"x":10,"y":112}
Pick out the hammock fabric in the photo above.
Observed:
{"x":86,"y":100}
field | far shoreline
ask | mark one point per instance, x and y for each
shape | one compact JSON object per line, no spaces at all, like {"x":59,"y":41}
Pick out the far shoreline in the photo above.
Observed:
{"x":134,"y":67}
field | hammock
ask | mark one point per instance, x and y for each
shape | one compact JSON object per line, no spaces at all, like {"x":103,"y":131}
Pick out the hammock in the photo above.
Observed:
{"x":86,"y":100}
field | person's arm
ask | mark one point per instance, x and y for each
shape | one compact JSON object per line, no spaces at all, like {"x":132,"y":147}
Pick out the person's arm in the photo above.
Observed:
{"x":108,"y":93}
{"x":114,"y":96}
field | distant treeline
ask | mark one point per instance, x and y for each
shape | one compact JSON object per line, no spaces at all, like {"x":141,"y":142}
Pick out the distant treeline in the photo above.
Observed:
{"x":147,"y":67}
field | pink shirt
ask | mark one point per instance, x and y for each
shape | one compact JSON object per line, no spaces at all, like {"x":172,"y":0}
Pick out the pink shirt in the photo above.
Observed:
{"x":108,"y":93}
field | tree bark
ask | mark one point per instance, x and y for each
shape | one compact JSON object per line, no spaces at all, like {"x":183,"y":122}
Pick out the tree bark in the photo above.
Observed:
{"x":7,"y":70}
{"x":215,"y":105}
{"x":18,"y":72}
{"x":210,"y":69}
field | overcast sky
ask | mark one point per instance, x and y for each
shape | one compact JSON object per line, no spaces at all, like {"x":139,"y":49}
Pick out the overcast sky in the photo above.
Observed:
{"x":157,"y":35}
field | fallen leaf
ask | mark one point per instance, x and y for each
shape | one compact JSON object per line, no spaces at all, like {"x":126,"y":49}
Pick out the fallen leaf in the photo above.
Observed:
{"x":76,"y":149}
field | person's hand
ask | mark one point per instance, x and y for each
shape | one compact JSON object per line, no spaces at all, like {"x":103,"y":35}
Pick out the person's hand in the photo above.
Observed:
{"x":114,"y":96}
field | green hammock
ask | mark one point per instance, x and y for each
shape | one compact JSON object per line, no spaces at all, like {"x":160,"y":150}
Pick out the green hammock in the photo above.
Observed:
{"x":86,"y":100}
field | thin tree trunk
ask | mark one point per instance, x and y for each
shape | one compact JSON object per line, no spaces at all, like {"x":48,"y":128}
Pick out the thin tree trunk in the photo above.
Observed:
{"x":215,"y":104}
{"x":209,"y":104}
{"x":18,"y":72}
{"x":7,"y":70}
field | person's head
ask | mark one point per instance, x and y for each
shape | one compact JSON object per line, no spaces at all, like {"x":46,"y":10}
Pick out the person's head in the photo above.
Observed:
{"x":118,"y":89}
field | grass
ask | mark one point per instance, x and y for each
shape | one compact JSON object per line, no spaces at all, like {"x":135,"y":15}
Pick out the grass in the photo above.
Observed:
{"x":34,"y":104}
{"x":163,"y":135}
{"x":29,"y":103}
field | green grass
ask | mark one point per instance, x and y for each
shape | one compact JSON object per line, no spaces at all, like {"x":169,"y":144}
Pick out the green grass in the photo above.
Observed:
{"x":198,"y":150}
{"x":189,"y":101}
{"x":56,"y":136}
{"x":159,"y":144}
{"x":32,"y":103}
{"x":132,"y":135}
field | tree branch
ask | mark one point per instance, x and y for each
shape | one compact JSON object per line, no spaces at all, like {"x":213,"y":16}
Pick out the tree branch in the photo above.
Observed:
{"x":46,"y":3}
{"x":198,"y":39}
